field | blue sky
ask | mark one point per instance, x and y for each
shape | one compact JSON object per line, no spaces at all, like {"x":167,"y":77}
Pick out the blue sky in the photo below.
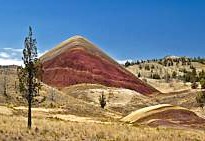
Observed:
{"x":125,"y":29}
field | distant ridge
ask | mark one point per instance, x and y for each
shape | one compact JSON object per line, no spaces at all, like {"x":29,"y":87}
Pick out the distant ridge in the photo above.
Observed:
{"x":77,"y":60}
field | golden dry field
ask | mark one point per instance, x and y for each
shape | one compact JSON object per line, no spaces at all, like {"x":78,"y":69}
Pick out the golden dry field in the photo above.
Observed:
{"x":74,"y":113}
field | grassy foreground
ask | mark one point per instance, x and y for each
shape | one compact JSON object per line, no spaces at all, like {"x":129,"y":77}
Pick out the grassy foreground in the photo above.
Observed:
{"x":14,"y":128}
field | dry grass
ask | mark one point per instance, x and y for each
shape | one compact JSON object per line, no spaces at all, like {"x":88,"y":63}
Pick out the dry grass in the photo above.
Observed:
{"x":14,"y":128}
{"x":119,"y":100}
{"x":173,"y":86}
{"x":49,"y":124}
{"x":6,"y":111}
{"x":91,"y":92}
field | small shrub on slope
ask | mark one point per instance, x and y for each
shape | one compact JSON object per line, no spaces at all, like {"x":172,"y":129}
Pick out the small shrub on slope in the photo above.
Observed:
{"x":200,"y":99}
{"x":102,"y":100}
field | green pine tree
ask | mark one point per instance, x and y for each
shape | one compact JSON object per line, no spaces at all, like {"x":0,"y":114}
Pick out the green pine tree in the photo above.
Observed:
{"x":29,"y":85}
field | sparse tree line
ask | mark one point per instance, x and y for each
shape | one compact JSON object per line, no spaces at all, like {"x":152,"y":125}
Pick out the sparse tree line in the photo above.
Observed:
{"x":168,"y":61}
{"x":188,"y":76}
{"x":199,"y":60}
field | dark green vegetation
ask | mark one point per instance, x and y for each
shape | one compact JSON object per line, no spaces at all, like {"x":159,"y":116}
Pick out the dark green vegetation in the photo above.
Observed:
{"x":155,"y":76}
{"x":194,"y":85}
{"x":200,"y":98}
{"x":29,"y":85}
{"x":102,"y":100}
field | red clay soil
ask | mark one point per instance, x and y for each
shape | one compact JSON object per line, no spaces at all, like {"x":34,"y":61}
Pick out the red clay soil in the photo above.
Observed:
{"x":79,"y":64}
{"x":175,"y":117}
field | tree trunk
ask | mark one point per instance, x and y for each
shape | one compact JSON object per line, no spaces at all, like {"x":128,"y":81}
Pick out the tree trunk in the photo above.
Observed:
{"x":30,"y":96}
{"x":29,"y":113}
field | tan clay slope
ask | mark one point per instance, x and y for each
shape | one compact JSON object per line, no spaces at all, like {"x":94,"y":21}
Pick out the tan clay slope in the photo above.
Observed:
{"x":77,"y":60}
{"x":54,"y":98}
{"x":141,"y":113}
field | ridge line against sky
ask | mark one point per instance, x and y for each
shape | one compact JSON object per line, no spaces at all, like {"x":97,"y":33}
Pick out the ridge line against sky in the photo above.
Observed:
{"x":135,"y":29}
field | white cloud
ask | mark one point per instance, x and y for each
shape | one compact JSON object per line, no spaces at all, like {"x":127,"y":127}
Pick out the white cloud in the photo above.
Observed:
{"x":6,"y":61}
{"x":4,"y":55}
{"x":12,"y":56}
{"x":13,"y":49}
{"x":123,"y":61}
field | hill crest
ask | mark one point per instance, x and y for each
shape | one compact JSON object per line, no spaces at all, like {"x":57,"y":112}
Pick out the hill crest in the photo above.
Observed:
{"x":77,"y":60}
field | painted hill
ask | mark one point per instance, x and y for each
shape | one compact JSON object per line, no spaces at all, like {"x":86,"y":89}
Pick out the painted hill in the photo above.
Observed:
{"x":165,"y":114}
{"x":77,"y":60}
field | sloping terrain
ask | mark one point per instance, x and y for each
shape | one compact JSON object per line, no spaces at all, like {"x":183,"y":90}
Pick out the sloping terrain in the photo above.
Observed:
{"x":48,"y":97}
{"x":161,"y":84}
{"x":120,"y":100}
{"x":9,"y":85}
{"x":125,"y":101}
{"x":147,"y":68}
{"x":74,"y":112}
{"x":77,"y":60}
{"x":165,"y":114}
{"x":91,"y":93}
{"x":169,"y":87}
{"x":165,"y":81}
{"x":79,"y":99}
{"x":54,"y":98}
